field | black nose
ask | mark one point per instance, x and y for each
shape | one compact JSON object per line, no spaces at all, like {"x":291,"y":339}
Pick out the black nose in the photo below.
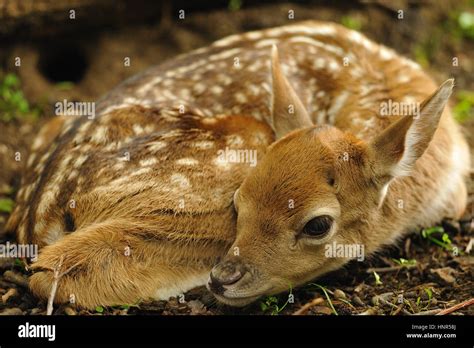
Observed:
{"x":225,"y":273}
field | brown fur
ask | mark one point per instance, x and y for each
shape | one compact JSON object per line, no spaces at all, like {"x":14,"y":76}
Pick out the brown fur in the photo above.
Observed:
{"x":155,"y":225}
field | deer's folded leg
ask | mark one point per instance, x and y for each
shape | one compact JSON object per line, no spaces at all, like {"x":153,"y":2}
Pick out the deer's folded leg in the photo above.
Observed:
{"x":107,"y":264}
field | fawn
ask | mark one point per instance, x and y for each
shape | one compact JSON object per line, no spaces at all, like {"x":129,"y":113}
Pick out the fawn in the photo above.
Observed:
{"x":159,"y":194}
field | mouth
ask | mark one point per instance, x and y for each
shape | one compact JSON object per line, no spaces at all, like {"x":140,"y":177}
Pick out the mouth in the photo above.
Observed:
{"x":233,"y":295}
{"x":237,"y":301}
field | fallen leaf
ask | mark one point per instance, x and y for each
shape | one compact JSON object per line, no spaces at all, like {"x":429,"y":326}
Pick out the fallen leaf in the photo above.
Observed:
{"x":445,"y":274}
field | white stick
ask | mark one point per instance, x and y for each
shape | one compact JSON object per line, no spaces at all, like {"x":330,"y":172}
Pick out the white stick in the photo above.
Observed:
{"x":54,"y":287}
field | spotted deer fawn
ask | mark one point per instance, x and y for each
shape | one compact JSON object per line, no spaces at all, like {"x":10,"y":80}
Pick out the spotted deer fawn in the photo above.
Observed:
{"x":159,"y":194}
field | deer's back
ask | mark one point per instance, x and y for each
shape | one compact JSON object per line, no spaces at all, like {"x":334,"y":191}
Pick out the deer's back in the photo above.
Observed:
{"x":152,"y":148}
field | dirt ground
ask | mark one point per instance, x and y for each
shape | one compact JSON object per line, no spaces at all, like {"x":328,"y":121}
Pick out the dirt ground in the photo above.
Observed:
{"x":417,"y":276}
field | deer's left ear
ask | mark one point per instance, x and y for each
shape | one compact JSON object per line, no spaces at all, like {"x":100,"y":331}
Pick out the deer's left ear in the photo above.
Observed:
{"x":288,"y":112}
{"x":395,"y":151}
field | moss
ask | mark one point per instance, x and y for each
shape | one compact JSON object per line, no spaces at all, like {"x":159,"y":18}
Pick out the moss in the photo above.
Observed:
{"x":234,"y":5}
{"x":13,"y":104}
{"x":464,"y":108}
{"x":6,"y":205}
{"x":351,"y":22}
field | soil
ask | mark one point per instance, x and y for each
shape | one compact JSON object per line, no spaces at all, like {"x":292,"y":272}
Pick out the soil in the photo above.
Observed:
{"x":432,"y":279}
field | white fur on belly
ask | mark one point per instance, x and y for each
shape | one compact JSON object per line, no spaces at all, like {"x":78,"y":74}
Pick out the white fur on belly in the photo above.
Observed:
{"x":180,"y":286}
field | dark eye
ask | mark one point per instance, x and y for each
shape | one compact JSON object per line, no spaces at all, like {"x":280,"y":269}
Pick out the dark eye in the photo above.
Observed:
{"x":318,"y":227}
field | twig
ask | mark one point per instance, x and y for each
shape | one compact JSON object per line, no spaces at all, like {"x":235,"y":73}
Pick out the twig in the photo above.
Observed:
{"x":430,"y":312}
{"x":308,"y":305}
{"x":388,"y":269}
{"x":54,"y":287}
{"x":469,"y":246}
{"x":456,"y":307}
{"x":378,"y":298}
{"x":10,"y":293}
{"x":399,"y":308}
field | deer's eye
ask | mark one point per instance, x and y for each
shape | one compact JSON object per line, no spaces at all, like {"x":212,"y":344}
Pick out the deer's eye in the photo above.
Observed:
{"x":318,"y":227}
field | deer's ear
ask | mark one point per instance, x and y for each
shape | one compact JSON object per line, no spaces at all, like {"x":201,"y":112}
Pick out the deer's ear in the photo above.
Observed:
{"x":287,"y":110}
{"x":395,"y":151}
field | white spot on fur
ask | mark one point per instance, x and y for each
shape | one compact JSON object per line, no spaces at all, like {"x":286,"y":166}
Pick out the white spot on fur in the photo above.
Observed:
{"x":141,"y":171}
{"x":266,"y":42}
{"x":39,"y":141}
{"x":217,"y":90}
{"x":223,"y":165}
{"x":337,"y":105}
{"x":319,"y":63}
{"x":234,"y":140}
{"x":80,"y":161}
{"x":100,"y":135}
{"x":307,"y":40}
{"x":73,"y":175}
{"x":31,"y":159}
{"x":385,"y":53}
{"x":240,"y":98}
{"x":254,"y":89}
{"x":137,"y":129}
{"x":180,"y":180}
{"x":187,"y":161}
{"x":148,"y":162}
{"x":224,"y":79}
{"x":203,"y":145}
{"x":199,"y":88}
{"x":157,"y":145}
{"x":209,"y":120}
{"x":333,"y":66}
{"x":117,"y":166}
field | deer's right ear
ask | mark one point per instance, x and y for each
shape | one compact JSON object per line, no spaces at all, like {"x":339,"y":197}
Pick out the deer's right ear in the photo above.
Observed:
{"x":287,"y":110}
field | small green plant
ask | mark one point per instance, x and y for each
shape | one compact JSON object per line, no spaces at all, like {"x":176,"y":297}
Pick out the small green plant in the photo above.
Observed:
{"x":377,"y":279}
{"x":99,"y":309}
{"x":234,"y":5}
{"x":327,"y":297}
{"x":466,"y":24}
{"x":270,"y":303}
{"x":20,"y":264}
{"x":408,"y":303}
{"x":13,"y":103}
{"x":422,"y":54}
{"x":351,"y":22}
{"x":464,"y":109}
{"x":458,"y":26}
{"x":430,"y":296}
{"x":444,"y":242}
{"x":404,"y":262}
{"x":6,"y":205}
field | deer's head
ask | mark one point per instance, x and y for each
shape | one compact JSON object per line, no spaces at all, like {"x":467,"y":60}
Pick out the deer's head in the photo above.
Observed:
{"x":316,"y":186}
